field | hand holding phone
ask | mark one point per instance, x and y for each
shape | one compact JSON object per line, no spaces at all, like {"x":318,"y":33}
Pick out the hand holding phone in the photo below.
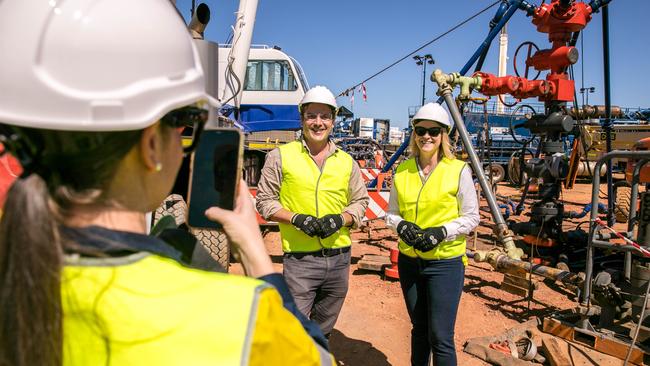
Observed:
{"x":215,"y":174}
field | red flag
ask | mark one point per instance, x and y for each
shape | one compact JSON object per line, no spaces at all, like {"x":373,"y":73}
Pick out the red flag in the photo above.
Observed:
{"x":363,"y":92}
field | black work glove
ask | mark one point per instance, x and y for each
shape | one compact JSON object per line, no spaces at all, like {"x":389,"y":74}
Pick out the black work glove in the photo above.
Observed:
{"x":308,"y":224}
{"x":430,"y":238}
{"x":329,"y":224}
{"x":408,"y":232}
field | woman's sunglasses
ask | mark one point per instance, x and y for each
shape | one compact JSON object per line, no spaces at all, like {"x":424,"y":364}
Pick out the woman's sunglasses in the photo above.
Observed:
{"x":433,"y":131}
{"x":190,"y":116}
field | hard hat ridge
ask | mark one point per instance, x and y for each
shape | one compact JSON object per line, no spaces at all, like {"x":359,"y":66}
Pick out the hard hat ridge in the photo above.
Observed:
{"x":318,"y":94}
{"x":432,"y":112}
{"x":95,"y":65}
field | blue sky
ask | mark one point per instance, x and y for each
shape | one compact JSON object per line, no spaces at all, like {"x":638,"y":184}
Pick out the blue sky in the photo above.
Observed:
{"x":339,"y":43}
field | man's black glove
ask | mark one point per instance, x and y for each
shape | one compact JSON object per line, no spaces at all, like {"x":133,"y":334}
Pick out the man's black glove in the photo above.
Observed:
{"x":408,"y":232}
{"x":308,"y":224}
{"x":430,"y":238}
{"x":329,"y":224}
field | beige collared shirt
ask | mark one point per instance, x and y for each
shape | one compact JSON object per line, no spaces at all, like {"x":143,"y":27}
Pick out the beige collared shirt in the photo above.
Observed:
{"x":268,"y":188}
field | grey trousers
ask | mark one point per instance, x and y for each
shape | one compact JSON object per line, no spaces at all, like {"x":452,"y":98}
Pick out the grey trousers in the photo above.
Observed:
{"x":319,"y":285}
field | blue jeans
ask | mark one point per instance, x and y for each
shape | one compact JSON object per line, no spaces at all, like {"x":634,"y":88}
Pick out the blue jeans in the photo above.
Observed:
{"x":432,"y":290}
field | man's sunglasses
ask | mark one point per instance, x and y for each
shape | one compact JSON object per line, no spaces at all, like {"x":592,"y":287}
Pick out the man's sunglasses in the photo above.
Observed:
{"x":433,"y":131}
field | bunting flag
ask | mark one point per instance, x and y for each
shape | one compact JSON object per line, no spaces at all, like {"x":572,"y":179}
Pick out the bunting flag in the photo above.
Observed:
{"x":363,"y":92}
{"x":352,"y":98}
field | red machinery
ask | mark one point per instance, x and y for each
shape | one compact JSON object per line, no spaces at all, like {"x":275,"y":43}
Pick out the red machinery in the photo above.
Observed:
{"x":559,"y":18}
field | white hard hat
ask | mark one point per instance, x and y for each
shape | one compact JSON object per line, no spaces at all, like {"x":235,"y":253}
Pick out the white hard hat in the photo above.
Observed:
{"x":95,"y":65}
{"x":432,"y":112}
{"x":318,"y":94}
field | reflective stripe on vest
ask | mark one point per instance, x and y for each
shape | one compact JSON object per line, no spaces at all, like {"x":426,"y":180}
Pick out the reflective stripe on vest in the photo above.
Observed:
{"x":308,"y":190}
{"x":153,"y":311}
{"x":433,"y":203}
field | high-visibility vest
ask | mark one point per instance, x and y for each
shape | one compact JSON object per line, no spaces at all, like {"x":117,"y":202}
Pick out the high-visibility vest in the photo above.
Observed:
{"x":429,"y":204}
{"x":148,"y":310}
{"x":306,"y":189}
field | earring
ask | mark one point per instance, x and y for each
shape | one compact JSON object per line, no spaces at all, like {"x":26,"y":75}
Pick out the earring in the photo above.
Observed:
{"x":158,"y":167}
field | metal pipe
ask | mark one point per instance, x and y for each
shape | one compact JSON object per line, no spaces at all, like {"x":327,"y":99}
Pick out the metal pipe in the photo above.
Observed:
{"x":504,"y":264}
{"x":631,"y":221}
{"x":200,"y":20}
{"x":608,"y":116}
{"x":503,"y":234}
{"x":595,"y":190}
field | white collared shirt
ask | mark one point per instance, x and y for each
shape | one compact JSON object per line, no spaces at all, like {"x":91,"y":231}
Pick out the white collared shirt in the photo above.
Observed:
{"x":467,"y":202}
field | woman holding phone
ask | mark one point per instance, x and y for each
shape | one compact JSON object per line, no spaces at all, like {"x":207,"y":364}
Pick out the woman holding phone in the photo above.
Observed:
{"x":93,"y":112}
{"x":432,"y":206}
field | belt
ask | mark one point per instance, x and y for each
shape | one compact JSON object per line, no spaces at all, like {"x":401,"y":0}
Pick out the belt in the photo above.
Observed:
{"x":324,"y":252}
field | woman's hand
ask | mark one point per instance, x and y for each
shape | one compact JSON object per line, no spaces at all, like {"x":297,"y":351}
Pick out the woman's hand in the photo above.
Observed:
{"x":243,"y":233}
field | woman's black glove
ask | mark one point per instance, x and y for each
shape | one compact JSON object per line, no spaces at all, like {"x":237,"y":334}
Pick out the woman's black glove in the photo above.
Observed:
{"x":308,"y":224}
{"x":408,"y":232}
{"x":329,"y":224}
{"x":430,"y":238}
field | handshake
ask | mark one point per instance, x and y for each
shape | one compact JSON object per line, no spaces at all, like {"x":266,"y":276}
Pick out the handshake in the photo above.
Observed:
{"x":423,"y":240}
{"x":323,"y":227}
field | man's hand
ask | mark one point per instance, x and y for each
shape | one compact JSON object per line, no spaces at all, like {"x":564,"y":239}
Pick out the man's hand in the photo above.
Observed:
{"x":408,"y":232}
{"x":329,"y":224}
{"x":430,"y":238}
{"x":308,"y":224}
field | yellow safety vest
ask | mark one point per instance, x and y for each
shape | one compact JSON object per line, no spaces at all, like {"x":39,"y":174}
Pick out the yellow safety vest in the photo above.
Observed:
{"x":429,"y":204}
{"x":150,"y":310}
{"x":308,"y":190}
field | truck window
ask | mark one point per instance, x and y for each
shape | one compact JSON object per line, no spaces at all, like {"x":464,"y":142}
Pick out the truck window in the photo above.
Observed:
{"x":269,"y":75}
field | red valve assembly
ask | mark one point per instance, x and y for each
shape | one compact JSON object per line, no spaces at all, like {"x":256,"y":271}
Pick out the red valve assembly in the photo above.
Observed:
{"x":559,"y":18}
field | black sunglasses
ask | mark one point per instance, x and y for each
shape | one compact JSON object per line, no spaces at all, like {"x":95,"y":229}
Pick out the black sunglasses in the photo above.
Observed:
{"x":190,"y":116}
{"x":433,"y":131}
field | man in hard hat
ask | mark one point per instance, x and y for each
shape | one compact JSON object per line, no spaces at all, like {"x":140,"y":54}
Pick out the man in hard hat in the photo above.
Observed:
{"x":315,"y":192}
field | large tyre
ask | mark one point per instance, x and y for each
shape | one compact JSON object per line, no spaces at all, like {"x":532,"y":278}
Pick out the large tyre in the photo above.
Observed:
{"x":514,"y":171}
{"x":214,"y":241}
{"x":498,"y":172}
{"x":623,"y":195}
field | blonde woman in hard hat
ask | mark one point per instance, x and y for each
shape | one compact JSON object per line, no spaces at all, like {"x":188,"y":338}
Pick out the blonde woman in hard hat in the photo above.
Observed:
{"x":432,"y":207}
{"x":315,"y":192}
{"x":92,"y":101}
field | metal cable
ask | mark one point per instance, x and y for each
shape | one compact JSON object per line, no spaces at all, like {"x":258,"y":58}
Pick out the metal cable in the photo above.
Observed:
{"x":421,"y":47}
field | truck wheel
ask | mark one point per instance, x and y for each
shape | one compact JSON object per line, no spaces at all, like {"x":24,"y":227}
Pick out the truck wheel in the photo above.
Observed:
{"x":514,"y":171}
{"x":623,"y":195}
{"x":215,"y":241}
{"x":174,"y":205}
{"x":497,"y":172}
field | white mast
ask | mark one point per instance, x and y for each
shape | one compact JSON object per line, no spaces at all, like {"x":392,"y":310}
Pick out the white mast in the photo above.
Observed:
{"x":503,"y":62}
{"x":238,"y":57}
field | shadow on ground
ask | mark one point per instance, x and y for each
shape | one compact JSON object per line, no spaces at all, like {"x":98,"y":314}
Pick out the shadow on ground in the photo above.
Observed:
{"x":517,"y":309}
{"x":353,"y":352}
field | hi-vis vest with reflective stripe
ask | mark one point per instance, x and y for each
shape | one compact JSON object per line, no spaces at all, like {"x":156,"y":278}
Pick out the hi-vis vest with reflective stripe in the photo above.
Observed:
{"x":308,"y":190}
{"x":430,"y":204}
{"x":150,"y":310}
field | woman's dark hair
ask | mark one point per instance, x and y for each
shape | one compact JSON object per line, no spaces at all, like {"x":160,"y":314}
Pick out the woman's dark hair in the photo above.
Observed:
{"x":67,"y":170}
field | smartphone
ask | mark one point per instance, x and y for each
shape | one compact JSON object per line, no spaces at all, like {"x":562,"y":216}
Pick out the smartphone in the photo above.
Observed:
{"x":215,"y":172}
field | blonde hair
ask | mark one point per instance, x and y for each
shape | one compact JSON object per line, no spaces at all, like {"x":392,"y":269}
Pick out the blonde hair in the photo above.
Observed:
{"x":446,"y":149}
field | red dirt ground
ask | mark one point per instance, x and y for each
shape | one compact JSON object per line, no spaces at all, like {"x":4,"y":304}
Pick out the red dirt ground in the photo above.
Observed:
{"x":374,"y":329}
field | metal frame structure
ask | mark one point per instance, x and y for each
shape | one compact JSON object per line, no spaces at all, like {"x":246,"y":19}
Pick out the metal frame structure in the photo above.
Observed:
{"x":642,"y":157}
